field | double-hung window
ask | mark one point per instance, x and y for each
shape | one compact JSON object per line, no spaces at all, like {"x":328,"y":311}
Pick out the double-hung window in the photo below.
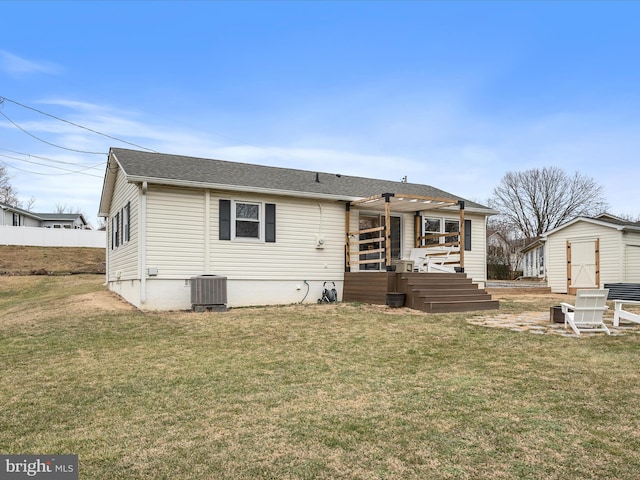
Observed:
{"x":439,"y":227}
{"x":121,"y":227}
{"x":248,"y":220}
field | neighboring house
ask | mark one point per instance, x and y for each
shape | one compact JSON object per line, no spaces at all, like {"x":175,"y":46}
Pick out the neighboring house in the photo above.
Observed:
{"x":17,"y":217}
{"x":504,"y":252}
{"x":533,"y":255}
{"x":276,"y":234}
{"x":589,"y":252}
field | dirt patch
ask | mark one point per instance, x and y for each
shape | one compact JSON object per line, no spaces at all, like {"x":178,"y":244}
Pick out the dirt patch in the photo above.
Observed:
{"x":32,"y":301}
{"x":105,"y":301}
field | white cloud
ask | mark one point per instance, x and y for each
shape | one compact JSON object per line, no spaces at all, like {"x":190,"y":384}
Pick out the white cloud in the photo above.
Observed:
{"x":17,"y":66}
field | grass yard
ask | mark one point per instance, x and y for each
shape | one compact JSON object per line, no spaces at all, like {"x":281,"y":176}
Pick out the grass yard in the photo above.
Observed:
{"x":308,"y":392}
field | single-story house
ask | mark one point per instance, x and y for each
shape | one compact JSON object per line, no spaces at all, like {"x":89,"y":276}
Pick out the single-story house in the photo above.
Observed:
{"x":276,"y":235}
{"x":588,"y":252}
{"x":533,"y":259}
{"x":503,"y":251}
{"x":18,"y":217}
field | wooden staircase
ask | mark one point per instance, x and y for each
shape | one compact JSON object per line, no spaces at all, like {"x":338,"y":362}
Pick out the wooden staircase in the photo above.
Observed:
{"x":429,"y":292}
{"x":443,"y":292}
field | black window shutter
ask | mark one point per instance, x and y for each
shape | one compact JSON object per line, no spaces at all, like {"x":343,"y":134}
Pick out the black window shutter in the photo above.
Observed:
{"x":270,"y":222}
{"x":128,"y":232}
{"x":225,"y":220}
{"x":467,"y":234}
{"x":116,"y":229}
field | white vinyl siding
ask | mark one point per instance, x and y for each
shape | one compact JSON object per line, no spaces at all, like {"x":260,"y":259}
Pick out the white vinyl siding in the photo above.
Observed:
{"x":175,"y":231}
{"x":475,"y":260}
{"x":632,"y":259}
{"x":124,"y":260}
{"x":293,"y":256}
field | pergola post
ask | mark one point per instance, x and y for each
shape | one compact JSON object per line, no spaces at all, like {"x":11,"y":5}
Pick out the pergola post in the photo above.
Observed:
{"x":347,"y":248}
{"x":462,"y":235}
{"x":387,"y":229}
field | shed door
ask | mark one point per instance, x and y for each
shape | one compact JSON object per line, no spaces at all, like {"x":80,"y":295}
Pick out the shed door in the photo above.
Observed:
{"x":583,"y":264}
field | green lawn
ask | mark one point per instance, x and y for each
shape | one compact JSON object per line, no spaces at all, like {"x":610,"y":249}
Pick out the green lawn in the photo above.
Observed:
{"x":319,"y":392}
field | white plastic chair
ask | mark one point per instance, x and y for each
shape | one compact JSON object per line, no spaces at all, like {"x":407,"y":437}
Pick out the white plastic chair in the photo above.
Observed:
{"x":620,"y":313}
{"x":423,"y":262}
{"x":586,"y":315}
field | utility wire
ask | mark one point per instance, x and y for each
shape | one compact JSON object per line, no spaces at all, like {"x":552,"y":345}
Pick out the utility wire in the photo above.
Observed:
{"x":69,"y":172}
{"x":46,"y":159}
{"x":48,"y":143}
{"x":3,"y":99}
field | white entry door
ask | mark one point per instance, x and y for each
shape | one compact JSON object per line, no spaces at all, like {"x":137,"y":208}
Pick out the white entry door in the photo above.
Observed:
{"x":583,"y":264}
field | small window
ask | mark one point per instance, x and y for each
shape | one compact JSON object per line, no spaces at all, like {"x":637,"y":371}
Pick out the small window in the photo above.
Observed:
{"x":115,"y":232}
{"x":438,"y":226}
{"x":451,"y":226}
{"x":57,"y":225}
{"x":125,"y":223}
{"x":431,"y":225}
{"x":121,"y":227}
{"x":247,"y":220}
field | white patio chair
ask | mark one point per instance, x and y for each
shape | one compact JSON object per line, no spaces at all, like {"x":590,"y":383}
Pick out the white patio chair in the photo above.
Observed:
{"x":423,"y":262}
{"x":620,"y":313}
{"x":586,"y":315}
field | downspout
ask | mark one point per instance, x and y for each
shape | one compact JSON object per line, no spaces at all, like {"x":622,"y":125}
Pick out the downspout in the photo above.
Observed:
{"x":143,"y":244}
{"x":107,"y":232}
{"x":207,"y":232}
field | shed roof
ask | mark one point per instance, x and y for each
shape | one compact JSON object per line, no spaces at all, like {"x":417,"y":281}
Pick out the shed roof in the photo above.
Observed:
{"x":169,"y":169}
{"x":604,"y":220}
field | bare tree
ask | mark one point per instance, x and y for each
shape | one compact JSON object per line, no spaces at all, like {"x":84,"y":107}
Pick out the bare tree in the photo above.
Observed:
{"x":64,"y":208}
{"x":537,"y":200}
{"x":8,"y":194}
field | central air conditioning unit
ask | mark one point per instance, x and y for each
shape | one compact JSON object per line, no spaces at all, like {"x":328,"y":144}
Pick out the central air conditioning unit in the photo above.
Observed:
{"x":209,"y":292}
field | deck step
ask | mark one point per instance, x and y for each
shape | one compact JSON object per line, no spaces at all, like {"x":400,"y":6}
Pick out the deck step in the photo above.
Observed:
{"x":458,"y":306}
{"x":428,"y":292}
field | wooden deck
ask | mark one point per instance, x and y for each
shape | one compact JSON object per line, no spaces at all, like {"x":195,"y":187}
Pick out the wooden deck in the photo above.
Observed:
{"x":428,"y":292}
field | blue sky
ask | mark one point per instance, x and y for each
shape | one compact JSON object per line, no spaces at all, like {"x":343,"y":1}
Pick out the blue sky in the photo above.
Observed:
{"x":450,"y":94}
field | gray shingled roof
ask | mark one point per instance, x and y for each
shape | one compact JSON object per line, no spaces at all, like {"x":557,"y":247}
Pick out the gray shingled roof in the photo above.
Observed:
{"x":158,"y":166}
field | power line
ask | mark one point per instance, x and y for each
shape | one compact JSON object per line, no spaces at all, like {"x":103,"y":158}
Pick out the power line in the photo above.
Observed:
{"x":48,"y":143}
{"x":69,"y":172}
{"x":3,"y":99}
{"x":91,"y":165}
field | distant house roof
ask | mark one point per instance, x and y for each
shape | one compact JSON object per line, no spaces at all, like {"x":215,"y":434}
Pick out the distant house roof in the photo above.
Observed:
{"x":531,"y":244}
{"x":11,"y":208}
{"x":60,"y":217}
{"x":169,"y":169}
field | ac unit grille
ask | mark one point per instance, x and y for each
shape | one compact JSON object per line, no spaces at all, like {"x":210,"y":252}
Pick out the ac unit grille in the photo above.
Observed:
{"x":208,"y":290}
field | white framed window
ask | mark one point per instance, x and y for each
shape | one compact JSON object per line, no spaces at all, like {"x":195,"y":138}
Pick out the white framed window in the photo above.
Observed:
{"x":247,"y":220}
{"x":440,"y":225}
{"x":115,"y":231}
{"x":431,"y":225}
{"x":126,"y":213}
